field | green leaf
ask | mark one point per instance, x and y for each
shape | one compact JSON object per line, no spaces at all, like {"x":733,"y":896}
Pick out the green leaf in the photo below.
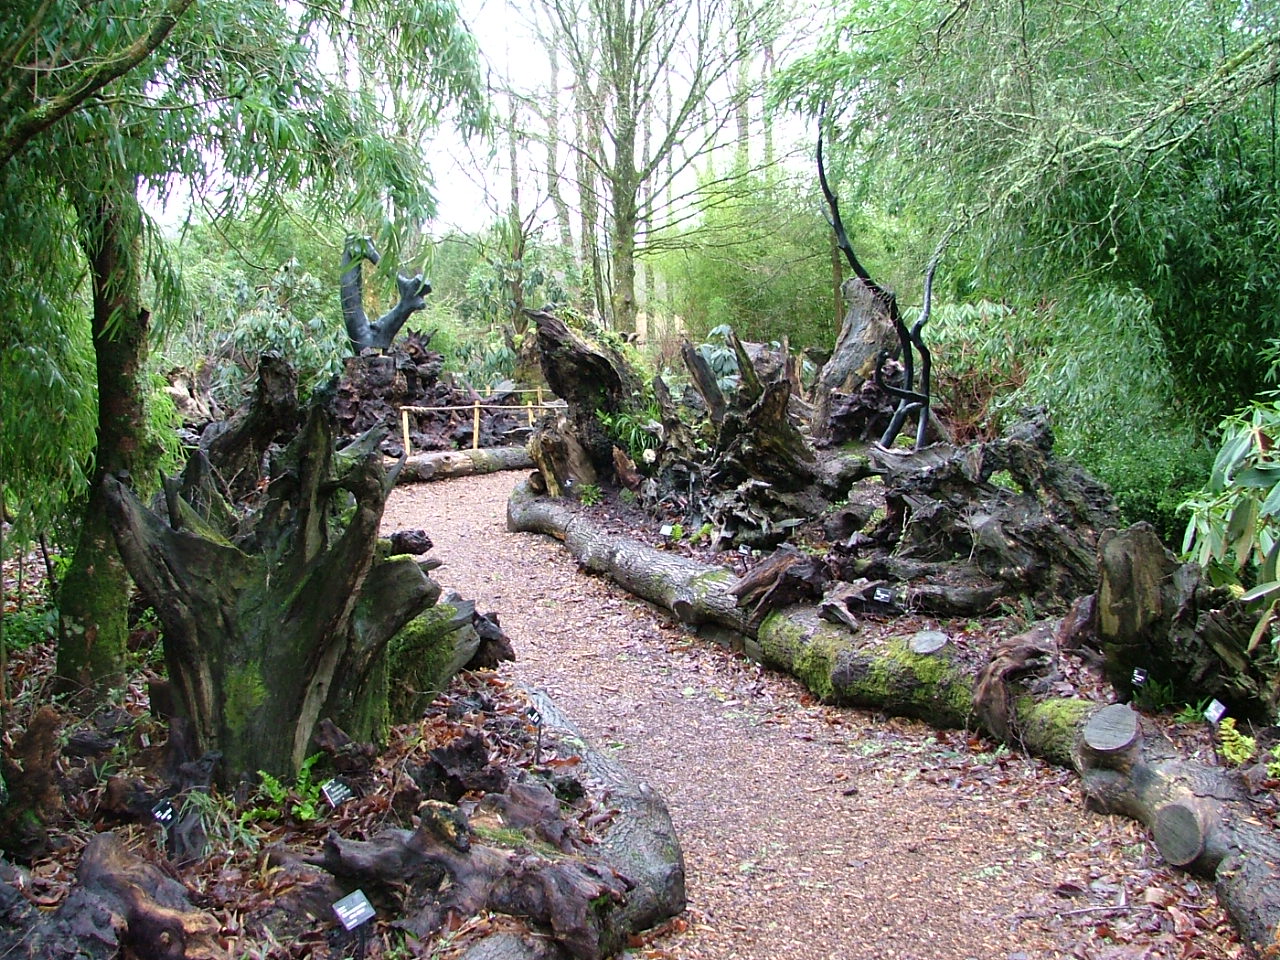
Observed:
{"x":1242,"y":528}
{"x":1261,"y":629}
{"x":1260,"y":477}
{"x":1261,"y":590}
{"x":1267,"y":573}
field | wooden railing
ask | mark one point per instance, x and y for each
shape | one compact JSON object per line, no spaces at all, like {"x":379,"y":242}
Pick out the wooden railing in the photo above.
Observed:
{"x":530,"y":408}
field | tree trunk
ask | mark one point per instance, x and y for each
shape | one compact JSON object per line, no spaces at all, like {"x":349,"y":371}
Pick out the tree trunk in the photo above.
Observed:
{"x":277,"y":620}
{"x":625,"y":221}
{"x":93,"y":598}
{"x":1201,"y":816}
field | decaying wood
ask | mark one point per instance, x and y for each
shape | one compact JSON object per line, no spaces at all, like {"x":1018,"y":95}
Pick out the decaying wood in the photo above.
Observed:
{"x":704,"y":381}
{"x":374,"y":387}
{"x":281,"y":617}
{"x":585,"y":901}
{"x":866,"y":333}
{"x":446,"y":464}
{"x":236,"y":448}
{"x":561,"y":457}
{"x":591,"y":378}
{"x":120,"y":903}
{"x":963,"y":541}
{"x":1012,"y":698}
{"x":29,"y":772}
{"x":785,"y":577}
{"x":1158,"y":615}
{"x":1012,"y":660}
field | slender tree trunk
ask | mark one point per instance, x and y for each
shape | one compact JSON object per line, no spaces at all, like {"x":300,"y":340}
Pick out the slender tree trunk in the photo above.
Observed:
{"x":767,"y":116}
{"x":516,"y":226}
{"x":93,"y":600}
{"x":624,"y":263}
{"x":742,"y":95}
{"x":553,"y":152}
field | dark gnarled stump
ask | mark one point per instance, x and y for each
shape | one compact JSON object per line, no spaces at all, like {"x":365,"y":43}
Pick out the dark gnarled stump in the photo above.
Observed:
{"x":279,"y":617}
{"x":1156,"y":614}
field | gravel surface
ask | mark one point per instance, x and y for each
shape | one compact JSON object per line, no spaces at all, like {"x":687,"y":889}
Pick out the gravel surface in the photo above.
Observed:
{"x":812,"y":831}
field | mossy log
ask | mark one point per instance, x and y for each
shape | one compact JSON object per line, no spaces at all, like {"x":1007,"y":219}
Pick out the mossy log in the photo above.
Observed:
{"x":446,"y":464}
{"x":1200,"y":815}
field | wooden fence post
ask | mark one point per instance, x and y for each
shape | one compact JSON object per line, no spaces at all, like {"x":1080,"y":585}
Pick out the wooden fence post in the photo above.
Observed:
{"x":475,"y":426}
{"x":404,"y":428}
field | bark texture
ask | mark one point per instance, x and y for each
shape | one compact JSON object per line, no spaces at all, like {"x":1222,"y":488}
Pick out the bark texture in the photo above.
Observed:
{"x":446,"y":464}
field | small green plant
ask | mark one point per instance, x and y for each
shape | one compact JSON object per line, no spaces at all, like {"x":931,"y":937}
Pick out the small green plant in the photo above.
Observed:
{"x":1192,"y":713}
{"x":589,"y":495}
{"x":1273,"y":765}
{"x":302,"y":803}
{"x":1237,"y":748}
{"x":704,"y":533}
{"x":216,"y":815}
{"x":29,"y":626}
{"x":634,"y":432}
{"x":677,"y":532}
{"x":1156,"y":695}
{"x":628,"y":496}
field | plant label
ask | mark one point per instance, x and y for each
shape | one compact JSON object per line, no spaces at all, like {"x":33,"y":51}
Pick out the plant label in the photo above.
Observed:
{"x":337,"y":792}
{"x":884,"y":595}
{"x":744,"y":550}
{"x":164,"y":812}
{"x":353,"y":909}
{"x":1139,"y":676}
{"x":1215,"y":711}
{"x":666,"y":529}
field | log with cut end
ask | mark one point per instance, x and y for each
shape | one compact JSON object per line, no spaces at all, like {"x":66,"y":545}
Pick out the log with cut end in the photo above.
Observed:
{"x":925,"y":642}
{"x":1112,"y":730}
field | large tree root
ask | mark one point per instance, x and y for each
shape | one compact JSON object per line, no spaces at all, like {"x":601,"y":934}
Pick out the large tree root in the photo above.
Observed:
{"x":120,"y":902}
{"x":1204,"y":818}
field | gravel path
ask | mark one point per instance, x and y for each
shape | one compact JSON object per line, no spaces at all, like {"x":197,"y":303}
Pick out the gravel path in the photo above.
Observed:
{"x":810,"y":831}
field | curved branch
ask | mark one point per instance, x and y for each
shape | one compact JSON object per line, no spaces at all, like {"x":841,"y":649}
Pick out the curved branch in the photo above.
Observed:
{"x":37,"y":119}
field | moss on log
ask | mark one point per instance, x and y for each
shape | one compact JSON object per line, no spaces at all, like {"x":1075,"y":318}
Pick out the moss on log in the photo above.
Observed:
{"x":1200,"y":815}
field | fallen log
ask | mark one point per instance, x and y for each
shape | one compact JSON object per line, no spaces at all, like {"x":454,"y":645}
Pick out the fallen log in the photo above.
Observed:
{"x":1202,"y":817}
{"x":697,"y":593}
{"x":446,"y":464}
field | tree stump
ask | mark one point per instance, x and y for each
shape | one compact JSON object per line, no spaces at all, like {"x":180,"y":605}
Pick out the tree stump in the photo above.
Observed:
{"x":279,"y":618}
{"x":865,"y":334}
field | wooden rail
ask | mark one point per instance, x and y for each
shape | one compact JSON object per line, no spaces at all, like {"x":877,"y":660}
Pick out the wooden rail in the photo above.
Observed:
{"x":475,"y":408}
